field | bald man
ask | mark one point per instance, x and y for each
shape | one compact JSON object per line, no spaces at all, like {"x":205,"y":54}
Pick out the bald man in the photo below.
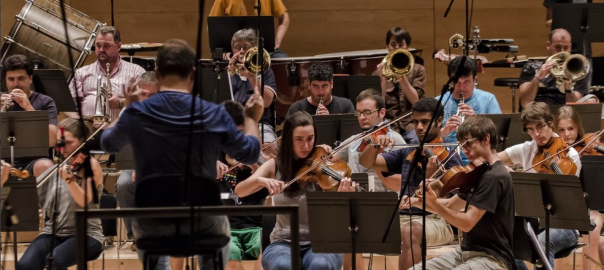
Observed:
{"x":537,"y":84}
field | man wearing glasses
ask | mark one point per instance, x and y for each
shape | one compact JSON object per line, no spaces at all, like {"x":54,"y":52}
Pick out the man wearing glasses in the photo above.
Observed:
{"x":438,"y":231}
{"x":538,"y":122}
{"x":465,"y":100}
{"x":85,"y":81}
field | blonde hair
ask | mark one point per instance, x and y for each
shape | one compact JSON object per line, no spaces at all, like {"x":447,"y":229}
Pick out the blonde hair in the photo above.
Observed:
{"x":567,"y":112}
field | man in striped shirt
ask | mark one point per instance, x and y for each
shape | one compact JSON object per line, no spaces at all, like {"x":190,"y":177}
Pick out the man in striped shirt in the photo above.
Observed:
{"x":85,"y":83}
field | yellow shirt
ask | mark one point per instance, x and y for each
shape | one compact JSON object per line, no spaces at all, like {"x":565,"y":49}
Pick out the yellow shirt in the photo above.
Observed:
{"x":273,"y":8}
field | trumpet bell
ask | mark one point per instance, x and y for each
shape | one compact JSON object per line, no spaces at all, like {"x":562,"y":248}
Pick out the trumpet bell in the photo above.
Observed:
{"x":397,"y":62}
{"x":250,"y":60}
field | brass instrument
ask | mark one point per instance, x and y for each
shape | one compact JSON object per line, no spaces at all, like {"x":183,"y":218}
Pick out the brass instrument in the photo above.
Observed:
{"x":7,"y":103}
{"x":456,"y":40}
{"x":251,"y":63}
{"x":568,"y":67}
{"x":102,"y":113}
{"x":397,"y":62}
{"x":21,"y":174}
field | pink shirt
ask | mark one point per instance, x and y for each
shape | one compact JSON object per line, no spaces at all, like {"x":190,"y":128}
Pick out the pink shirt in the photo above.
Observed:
{"x":86,"y":83}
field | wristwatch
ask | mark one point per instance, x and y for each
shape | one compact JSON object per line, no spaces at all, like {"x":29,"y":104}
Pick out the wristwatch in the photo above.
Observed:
{"x":121,"y":105}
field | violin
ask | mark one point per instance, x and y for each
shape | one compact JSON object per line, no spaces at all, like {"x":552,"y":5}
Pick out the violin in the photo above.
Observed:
{"x":587,"y":147}
{"x":553,"y":158}
{"x":318,"y":169}
{"x":372,"y":138}
{"x":462,"y":178}
{"x":440,"y":152}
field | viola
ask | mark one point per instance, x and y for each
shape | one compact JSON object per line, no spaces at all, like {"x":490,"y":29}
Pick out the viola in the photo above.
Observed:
{"x":553,"y":158}
{"x":462,"y":178}
{"x":587,"y":147}
{"x":372,"y":138}
{"x":440,"y":152}
{"x":77,"y":160}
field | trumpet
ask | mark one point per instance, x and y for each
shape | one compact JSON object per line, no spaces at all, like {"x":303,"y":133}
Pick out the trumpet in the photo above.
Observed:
{"x":568,"y":67}
{"x":456,"y":40}
{"x":250,"y":61}
{"x":397,"y":62}
{"x":102,"y":113}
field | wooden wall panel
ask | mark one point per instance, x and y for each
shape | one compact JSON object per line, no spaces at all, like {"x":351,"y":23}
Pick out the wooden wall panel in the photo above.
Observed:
{"x":319,"y":26}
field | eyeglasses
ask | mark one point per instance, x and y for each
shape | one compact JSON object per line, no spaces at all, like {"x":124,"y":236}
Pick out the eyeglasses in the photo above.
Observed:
{"x":537,"y":128}
{"x":238,"y":48}
{"x":468,"y":143}
{"x":365,"y":112}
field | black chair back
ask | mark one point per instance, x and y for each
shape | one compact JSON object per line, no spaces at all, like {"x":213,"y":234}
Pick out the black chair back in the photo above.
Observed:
{"x":173,"y":190}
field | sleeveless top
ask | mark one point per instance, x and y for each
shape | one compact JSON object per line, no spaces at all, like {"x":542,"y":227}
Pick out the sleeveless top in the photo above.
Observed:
{"x":66,"y":222}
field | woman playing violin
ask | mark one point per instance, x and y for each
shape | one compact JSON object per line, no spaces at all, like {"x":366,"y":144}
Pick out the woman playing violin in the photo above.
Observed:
{"x":298,"y":143}
{"x":570,"y":128}
{"x":538,"y":122}
{"x":438,"y":232}
{"x":71,"y":192}
{"x":370,"y":112}
{"x":488,"y":220}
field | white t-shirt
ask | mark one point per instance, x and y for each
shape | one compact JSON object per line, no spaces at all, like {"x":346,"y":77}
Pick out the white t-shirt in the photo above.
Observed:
{"x":524,"y":153}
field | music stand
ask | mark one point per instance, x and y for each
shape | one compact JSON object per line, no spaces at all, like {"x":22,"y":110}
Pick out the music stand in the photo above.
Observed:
{"x":515,"y":131}
{"x":221,"y":30}
{"x":215,"y":83}
{"x":352,"y":217}
{"x":585,"y":22}
{"x":23,"y":198}
{"x":362,"y":179}
{"x":526,"y":243}
{"x":502,"y":123}
{"x":352,"y":86}
{"x":334,"y":128}
{"x":590,"y":114}
{"x":26,"y":134}
{"x":591,"y":169}
{"x":557,"y":200}
{"x":51,"y":82}
{"x":124,"y":160}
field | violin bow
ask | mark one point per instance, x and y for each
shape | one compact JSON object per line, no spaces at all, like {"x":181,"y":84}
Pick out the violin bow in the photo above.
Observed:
{"x":70,"y":156}
{"x":562,"y":151}
{"x":261,"y":149}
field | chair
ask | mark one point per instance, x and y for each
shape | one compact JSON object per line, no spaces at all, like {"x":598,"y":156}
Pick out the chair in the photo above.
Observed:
{"x":168,"y":190}
{"x":512,"y":83}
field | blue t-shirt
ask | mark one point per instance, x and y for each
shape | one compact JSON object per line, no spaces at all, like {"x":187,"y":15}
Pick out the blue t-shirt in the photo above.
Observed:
{"x":482,"y":102}
{"x":243,"y":90}
{"x":158,"y":130}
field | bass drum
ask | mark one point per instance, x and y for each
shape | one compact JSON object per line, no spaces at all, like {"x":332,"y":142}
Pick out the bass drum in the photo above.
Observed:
{"x":38,"y":33}
{"x":358,"y":62}
{"x":291,"y":75}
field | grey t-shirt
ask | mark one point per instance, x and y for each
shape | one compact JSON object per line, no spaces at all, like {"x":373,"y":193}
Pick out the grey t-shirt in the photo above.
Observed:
{"x":337,"y":105}
{"x":66,"y":222}
{"x":351,"y":156}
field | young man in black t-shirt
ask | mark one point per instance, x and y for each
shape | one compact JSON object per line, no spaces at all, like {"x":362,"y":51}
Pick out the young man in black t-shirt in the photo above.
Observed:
{"x":488,"y":220}
{"x":320,"y":101}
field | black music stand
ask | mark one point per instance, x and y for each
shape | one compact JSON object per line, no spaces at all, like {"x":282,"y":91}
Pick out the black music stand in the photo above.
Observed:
{"x":590,"y":114}
{"x":26,"y":134}
{"x":215,"y":84}
{"x":591,"y":169}
{"x":221,"y":30}
{"x":516,"y":135}
{"x":557,"y":200}
{"x":502,"y":123}
{"x":362,"y":179}
{"x":526,"y":243}
{"x":585,"y":22}
{"x":352,"y":216}
{"x":351,"y":86}
{"x":335,"y":128}
{"x":51,"y":82}
{"x":23,"y":198}
{"x":124,"y":160}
